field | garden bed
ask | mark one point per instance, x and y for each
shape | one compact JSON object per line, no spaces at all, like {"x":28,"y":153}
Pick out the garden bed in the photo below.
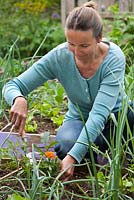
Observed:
{"x":16,"y":166}
{"x":17,"y":140}
{"x":16,"y":170}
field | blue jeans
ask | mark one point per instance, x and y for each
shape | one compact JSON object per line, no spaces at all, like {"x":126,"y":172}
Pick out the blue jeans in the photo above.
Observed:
{"x":70,"y":130}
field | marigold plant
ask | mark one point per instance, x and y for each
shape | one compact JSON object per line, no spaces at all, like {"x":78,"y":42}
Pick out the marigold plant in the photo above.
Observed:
{"x":50,"y":154}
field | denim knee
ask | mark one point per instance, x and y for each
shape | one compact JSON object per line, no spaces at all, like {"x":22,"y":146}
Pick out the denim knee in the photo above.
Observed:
{"x":62,"y":148}
{"x":67,"y":136}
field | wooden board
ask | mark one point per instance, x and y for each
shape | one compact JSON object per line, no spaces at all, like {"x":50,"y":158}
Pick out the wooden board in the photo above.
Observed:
{"x":15,"y":145}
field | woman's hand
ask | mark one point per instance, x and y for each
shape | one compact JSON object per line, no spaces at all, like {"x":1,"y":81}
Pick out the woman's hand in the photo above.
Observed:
{"x":18,"y":114}
{"x":67,"y":166}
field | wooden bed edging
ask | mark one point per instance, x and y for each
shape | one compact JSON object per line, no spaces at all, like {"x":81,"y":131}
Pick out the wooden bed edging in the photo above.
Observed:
{"x":15,"y":143}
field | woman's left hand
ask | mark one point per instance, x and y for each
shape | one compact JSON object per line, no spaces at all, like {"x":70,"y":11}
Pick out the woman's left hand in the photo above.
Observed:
{"x":67,"y":165}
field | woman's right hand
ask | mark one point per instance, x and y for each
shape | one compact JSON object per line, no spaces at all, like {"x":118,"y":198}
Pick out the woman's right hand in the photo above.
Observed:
{"x":18,"y":114}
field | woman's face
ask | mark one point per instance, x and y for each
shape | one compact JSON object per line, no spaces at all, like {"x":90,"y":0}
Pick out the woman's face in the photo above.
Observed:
{"x":81,"y":43}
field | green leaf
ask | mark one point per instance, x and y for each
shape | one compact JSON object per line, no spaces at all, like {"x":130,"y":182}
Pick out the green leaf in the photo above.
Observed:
{"x":16,"y":197}
{"x":45,"y":137}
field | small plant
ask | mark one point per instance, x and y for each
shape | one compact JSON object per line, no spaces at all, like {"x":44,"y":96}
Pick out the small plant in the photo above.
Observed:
{"x":35,"y":173}
{"x":48,"y":101}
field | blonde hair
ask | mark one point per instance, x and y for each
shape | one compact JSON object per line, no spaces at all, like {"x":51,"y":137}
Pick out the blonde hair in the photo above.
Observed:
{"x":84,"y":18}
{"x":91,"y":4}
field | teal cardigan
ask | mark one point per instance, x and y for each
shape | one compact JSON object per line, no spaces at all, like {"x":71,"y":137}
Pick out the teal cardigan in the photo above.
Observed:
{"x":95,"y":97}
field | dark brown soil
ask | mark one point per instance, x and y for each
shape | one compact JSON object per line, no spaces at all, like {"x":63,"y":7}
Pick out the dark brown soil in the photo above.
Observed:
{"x":43,"y":125}
{"x":76,"y":188}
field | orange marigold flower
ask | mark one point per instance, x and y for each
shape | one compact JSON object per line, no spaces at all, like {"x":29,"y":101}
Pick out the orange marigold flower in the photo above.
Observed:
{"x":50,"y":154}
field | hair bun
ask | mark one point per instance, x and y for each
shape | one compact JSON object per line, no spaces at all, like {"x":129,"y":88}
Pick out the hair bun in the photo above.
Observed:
{"x":91,"y":4}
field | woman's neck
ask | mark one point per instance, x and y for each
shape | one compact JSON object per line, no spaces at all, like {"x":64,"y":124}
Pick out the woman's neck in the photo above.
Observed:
{"x":89,"y":66}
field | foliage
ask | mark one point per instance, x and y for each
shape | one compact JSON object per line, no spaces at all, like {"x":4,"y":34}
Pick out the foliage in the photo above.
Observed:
{"x":51,"y":108}
{"x":16,"y":197}
{"x":10,"y":68}
{"x":124,"y":37}
{"x":29,"y":21}
{"x":34,"y":173}
{"x":121,"y":32}
{"x":49,"y":102}
{"x":129,"y":82}
{"x":37,"y":6}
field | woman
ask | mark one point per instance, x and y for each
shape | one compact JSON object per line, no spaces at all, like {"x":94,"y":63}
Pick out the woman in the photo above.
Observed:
{"x":92,"y":74}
